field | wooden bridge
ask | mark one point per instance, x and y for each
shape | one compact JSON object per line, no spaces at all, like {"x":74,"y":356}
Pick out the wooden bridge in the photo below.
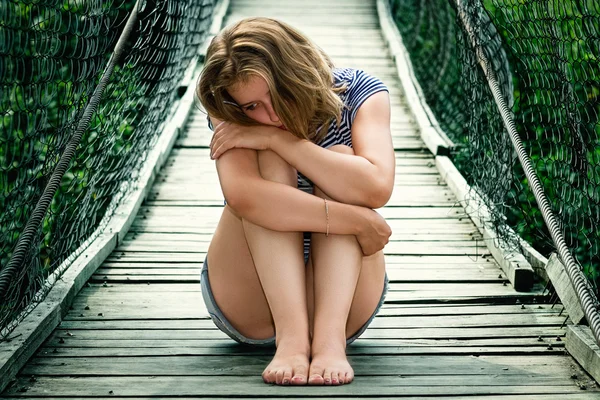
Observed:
{"x":452,"y":325}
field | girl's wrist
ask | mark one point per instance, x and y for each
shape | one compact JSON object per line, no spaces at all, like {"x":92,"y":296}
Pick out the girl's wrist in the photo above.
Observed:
{"x":352,"y":218}
{"x":280,"y":139}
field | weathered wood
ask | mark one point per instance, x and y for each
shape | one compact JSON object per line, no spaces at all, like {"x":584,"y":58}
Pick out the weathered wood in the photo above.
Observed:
{"x":393,"y":247}
{"x":38,"y":325}
{"x":432,"y":135}
{"x":193,"y":275}
{"x":160,"y":348}
{"x":398,"y":322}
{"x":408,"y":385}
{"x":563,"y":396}
{"x":381,"y":334}
{"x":564,"y":288}
{"x":583,"y":347}
{"x":555,"y":367}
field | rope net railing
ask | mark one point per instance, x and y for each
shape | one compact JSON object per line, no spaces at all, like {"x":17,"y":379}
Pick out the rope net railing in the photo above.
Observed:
{"x":52,"y":56}
{"x":543,"y":57}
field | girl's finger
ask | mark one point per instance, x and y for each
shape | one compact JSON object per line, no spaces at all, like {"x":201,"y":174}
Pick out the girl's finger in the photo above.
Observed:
{"x":216,"y":130}
{"x":217,"y":127}
{"x":227,"y":145}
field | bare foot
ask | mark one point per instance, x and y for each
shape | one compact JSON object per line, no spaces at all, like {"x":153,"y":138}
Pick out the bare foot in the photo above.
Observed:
{"x":288,"y":367}
{"x":330,"y":366}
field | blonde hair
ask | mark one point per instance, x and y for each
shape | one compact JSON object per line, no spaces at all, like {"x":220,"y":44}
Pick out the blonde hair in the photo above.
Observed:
{"x":298,"y":73}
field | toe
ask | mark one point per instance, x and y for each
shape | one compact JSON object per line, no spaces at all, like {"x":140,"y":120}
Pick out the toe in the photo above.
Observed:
{"x":349,"y":377}
{"x":265,"y":375}
{"x":335,"y":378}
{"x":287,"y":376}
{"x":271,"y":376}
{"x":300,"y":374}
{"x":279,"y":376}
{"x":316,"y":375}
{"x":316,"y":379}
{"x":327,"y":377}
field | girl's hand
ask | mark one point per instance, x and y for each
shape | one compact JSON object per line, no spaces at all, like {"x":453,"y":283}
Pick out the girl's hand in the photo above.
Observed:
{"x":374,"y":234}
{"x":229,"y":135}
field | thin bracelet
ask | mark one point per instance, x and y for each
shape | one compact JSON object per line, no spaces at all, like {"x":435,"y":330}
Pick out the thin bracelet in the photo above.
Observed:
{"x":327,"y":218}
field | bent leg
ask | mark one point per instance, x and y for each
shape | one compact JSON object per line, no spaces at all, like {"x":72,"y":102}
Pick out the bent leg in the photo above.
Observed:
{"x":347,"y":289}
{"x":279,"y":261}
{"x":257,"y":279}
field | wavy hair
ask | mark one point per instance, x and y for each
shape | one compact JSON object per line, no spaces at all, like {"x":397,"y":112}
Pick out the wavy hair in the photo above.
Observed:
{"x":298,"y":74}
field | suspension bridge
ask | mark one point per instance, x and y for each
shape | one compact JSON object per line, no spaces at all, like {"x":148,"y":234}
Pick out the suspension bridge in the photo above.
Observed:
{"x":453,"y":323}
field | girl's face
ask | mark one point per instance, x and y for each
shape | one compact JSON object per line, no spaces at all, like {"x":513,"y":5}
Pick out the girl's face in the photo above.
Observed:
{"x":254,"y":98}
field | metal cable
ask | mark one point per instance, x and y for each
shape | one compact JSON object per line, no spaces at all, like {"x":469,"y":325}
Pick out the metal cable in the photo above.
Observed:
{"x":576,"y":276}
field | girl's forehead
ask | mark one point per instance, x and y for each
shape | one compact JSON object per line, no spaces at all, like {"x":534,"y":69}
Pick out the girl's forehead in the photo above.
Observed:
{"x":252,"y":89}
{"x":251,"y":83}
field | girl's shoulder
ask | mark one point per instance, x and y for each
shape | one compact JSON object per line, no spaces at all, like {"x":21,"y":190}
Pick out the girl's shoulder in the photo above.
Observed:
{"x":359,"y":86}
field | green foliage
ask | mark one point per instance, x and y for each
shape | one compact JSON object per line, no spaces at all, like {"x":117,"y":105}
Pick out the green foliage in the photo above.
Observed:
{"x":553,"y":49}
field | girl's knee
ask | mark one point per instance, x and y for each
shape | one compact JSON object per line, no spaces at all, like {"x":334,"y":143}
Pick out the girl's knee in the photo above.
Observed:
{"x":276,"y":169}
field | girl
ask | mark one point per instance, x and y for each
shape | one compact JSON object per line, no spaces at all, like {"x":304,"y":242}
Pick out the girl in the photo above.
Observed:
{"x":303,"y":153}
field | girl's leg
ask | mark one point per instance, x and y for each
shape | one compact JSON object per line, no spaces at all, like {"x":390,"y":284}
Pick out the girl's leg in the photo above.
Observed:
{"x":279,"y":261}
{"x":347,"y":289}
{"x":261,"y":290}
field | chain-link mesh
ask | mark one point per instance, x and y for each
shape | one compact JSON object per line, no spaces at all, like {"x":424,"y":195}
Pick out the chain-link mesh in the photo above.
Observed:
{"x":546,"y":56}
{"x":52,"y":54}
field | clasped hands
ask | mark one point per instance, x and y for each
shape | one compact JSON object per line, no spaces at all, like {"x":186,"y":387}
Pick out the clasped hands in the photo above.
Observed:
{"x":373,"y":233}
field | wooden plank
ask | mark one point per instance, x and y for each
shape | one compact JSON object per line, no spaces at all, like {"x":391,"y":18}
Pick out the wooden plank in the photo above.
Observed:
{"x":160,"y":348}
{"x":564,"y":288}
{"x":582,"y":345}
{"x":424,"y":269}
{"x":73,"y":321}
{"x":196,"y":194}
{"x":454,"y":261}
{"x":193,"y":275}
{"x":127,"y":290}
{"x":581,"y":395}
{"x":534,"y":332}
{"x":380,"y":322}
{"x":393,"y":247}
{"x":398,"y":226}
{"x":368,"y":22}
{"x":483,"y":367}
{"x":206,"y":236}
{"x":405,"y":385}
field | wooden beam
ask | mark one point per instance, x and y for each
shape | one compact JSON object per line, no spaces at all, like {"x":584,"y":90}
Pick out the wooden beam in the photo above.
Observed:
{"x":434,"y":137}
{"x":564,"y":288}
{"x":582,"y":346}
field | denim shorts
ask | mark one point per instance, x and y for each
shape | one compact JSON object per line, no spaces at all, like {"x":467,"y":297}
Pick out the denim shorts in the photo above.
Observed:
{"x":219,"y":319}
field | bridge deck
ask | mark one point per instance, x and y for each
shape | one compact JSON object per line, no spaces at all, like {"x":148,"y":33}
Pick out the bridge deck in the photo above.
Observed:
{"x":451,"y":324}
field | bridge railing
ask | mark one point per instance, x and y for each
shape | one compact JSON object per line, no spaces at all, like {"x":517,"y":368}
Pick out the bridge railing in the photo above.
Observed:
{"x":77,"y":121}
{"x":516,"y":86}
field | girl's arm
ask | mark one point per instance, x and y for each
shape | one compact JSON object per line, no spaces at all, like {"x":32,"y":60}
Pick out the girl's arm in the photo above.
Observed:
{"x":366,"y":178}
{"x":280,"y":207}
